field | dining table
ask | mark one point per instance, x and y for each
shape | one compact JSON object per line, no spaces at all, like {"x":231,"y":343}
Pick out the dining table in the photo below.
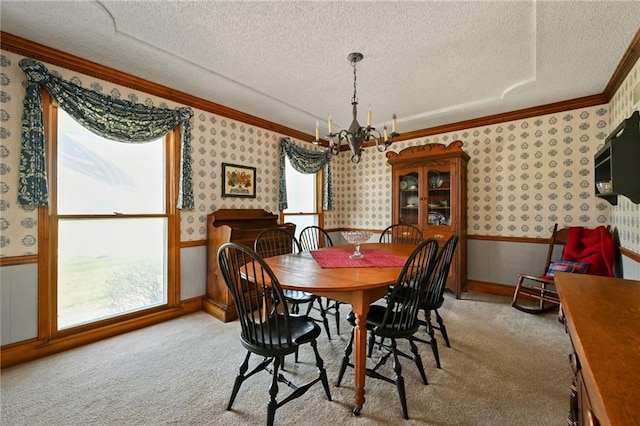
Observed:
{"x":358,"y":284}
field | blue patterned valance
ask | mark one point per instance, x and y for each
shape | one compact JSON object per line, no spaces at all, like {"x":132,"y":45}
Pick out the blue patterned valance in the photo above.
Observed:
{"x":305,"y":161}
{"x":111,"y":118}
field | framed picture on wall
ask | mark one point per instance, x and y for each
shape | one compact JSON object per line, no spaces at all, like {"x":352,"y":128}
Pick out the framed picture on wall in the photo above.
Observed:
{"x":238,"y":181}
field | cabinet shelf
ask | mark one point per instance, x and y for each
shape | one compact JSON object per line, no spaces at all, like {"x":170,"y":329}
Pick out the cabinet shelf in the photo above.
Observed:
{"x":604,"y":162}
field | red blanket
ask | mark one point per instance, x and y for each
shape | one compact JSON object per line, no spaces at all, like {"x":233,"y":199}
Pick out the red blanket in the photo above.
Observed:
{"x":593,"y":246}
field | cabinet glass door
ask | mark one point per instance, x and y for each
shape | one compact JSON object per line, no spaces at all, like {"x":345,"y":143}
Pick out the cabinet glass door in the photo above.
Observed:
{"x":409,"y":201}
{"x":439,"y":197}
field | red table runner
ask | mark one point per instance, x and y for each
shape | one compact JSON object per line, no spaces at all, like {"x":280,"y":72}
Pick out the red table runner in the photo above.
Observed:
{"x":340,"y":259}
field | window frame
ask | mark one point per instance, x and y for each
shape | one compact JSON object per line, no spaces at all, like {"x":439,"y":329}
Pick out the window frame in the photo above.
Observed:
{"x":319,"y":180}
{"x":48,"y":239}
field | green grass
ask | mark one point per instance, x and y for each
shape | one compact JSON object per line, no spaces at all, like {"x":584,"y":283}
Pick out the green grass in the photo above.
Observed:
{"x":98,"y":288}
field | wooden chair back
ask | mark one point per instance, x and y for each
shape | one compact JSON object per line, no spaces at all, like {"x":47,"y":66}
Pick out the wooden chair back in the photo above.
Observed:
{"x":558,"y":241}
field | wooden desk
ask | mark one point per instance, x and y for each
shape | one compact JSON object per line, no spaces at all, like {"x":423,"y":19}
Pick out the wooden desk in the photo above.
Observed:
{"x":603,"y":319}
{"x":357,"y":286}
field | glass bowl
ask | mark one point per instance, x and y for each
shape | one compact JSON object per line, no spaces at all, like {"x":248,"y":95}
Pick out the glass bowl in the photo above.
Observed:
{"x":603,"y":186}
{"x":357,"y":238}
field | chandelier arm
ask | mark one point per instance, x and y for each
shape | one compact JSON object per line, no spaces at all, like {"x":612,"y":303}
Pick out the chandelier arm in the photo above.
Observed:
{"x":368,"y":133}
{"x":335,"y":146}
{"x":374,"y":134}
{"x":381,"y":145}
{"x":356,"y":135}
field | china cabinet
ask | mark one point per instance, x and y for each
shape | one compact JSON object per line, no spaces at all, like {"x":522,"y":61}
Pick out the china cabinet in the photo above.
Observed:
{"x":430,"y":192}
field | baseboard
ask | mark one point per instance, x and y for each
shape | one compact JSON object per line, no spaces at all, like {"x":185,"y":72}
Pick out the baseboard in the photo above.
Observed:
{"x":491,"y":288}
{"x":19,"y":352}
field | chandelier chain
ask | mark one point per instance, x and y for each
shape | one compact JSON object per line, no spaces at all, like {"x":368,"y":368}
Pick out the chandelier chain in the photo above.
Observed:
{"x":355,"y":96}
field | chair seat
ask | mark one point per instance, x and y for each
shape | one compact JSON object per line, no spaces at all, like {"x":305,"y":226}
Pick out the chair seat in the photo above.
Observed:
{"x":545,"y":278}
{"x":303,"y":330}
{"x":297,"y":296}
{"x":374,"y":323}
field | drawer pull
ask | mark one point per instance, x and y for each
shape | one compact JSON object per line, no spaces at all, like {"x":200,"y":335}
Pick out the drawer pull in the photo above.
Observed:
{"x":438,"y":236}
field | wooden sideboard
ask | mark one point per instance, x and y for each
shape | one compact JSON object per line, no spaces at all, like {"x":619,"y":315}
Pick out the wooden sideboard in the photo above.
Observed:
{"x":602,"y":316}
{"x":240,"y":226}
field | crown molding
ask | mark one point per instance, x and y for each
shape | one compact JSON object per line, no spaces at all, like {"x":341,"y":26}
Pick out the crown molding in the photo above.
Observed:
{"x":40,"y":52}
{"x":51,"y":56}
{"x":629,"y":59}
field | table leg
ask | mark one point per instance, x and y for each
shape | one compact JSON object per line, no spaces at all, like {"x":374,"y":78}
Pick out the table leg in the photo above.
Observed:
{"x":360,"y":354}
{"x":360,"y":301}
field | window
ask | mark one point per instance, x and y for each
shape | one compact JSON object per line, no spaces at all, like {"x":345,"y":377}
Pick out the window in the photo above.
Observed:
{"x":111,"y":222}
{"x":303,"y":198}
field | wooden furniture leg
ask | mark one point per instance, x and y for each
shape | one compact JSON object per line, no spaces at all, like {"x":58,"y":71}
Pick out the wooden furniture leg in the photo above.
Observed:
{"x":360,"y":309}
{"x":359,"y":301}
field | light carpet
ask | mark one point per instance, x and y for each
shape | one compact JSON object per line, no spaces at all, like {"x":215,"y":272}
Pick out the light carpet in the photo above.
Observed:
{"x":504,"y":367}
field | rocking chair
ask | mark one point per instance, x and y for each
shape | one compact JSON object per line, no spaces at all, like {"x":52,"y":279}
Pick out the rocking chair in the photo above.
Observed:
{"x":590,"y":251}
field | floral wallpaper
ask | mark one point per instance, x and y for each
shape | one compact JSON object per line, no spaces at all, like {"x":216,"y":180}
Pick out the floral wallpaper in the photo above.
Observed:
{"x":216,"y":140}
{"x":523,"y":176}
{"x":362,"y":192}
{"x":18,"y":225}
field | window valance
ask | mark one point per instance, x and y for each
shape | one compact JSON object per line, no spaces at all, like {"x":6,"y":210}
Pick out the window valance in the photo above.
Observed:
{"x":111,"y":118}
{"x":305,"y":161}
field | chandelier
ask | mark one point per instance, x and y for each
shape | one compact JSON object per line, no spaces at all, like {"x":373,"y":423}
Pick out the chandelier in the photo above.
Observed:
{"x":357,"y":135}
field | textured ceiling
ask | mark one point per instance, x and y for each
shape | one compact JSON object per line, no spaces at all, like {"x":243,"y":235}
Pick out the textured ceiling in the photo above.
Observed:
{"x":430,"y":62}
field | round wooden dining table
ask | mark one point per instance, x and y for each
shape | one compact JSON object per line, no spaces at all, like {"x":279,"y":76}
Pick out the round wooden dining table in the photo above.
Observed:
{"x":357,"y":286}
